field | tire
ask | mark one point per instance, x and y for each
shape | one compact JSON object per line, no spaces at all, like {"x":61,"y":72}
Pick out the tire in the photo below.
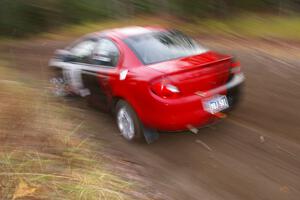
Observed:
{"x":128,"y":122}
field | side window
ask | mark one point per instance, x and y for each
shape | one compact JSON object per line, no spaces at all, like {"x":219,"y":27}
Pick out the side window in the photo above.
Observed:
{"x":82,"y":51}
{"x":106,"y":53}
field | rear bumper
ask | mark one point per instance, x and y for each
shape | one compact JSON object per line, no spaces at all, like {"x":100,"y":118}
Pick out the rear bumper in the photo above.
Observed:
{"x":234,"y":94}
{"x":178,"y":114}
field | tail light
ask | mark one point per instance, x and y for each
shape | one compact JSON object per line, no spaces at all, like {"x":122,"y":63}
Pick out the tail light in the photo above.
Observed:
{"x":235,"y":67}
{"x":165,"y":89}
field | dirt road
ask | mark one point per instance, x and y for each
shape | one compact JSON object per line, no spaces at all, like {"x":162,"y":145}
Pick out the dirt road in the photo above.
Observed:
{"x":253,"y":154}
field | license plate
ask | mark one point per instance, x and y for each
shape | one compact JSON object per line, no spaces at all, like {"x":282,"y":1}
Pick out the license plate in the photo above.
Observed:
{"x":215,"y":104}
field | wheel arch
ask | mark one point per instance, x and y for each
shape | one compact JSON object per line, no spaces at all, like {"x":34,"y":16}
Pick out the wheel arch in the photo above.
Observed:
{"x":116,"y":99}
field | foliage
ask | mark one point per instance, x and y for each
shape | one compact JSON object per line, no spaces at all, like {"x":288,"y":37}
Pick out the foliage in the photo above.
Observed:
{"x":21,"y":17}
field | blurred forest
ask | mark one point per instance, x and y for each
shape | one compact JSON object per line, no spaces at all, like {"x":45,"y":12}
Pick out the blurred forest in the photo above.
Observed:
{"x":22,"y":17}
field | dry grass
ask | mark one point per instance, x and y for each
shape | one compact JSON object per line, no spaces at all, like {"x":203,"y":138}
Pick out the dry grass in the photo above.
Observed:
{"x":73,"y":31}
{"x":42,"y":154}
{"x":246,"y":25}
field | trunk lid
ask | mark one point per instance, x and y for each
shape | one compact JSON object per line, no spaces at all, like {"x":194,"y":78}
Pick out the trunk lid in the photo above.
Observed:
{"x":196,"y":73}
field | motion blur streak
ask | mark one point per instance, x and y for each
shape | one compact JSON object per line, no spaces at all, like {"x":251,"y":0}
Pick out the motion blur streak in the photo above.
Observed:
{"x":60,"y":148}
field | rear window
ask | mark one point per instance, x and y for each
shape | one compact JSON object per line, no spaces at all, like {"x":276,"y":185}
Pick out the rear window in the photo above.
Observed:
{"x":161,"y":46}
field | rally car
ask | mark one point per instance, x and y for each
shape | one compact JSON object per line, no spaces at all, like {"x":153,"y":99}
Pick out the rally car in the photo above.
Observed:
{"x":152,"y":79}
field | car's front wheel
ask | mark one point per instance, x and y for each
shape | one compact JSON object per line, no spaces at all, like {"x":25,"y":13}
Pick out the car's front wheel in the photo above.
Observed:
{"x":128,"y":123}
{"x":59,"y":85}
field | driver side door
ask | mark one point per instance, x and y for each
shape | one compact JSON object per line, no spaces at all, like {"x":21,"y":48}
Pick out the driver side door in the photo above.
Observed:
{"x":101,"y":72}
{"x":73,"y":63}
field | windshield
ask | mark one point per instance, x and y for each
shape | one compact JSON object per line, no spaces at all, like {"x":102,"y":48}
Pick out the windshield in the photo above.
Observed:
{"x":161,"y":46}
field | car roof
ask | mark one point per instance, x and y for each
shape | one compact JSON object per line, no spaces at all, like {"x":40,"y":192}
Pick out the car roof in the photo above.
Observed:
{"x":129,"y":31}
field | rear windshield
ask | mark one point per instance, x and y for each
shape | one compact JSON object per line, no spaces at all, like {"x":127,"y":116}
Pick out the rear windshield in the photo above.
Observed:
{"x":161,"y":46}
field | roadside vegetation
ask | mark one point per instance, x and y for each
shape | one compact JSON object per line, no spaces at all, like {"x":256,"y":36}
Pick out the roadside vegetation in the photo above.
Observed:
{"x":42,"y":153}
{"x":246,"y":26}
{"x":256,"y":18}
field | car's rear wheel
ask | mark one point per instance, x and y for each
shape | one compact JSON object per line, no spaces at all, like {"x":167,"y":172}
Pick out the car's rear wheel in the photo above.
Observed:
{"x":128,"y":123}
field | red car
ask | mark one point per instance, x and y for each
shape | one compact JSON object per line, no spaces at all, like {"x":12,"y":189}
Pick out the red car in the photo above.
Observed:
{"x":152,"y":79}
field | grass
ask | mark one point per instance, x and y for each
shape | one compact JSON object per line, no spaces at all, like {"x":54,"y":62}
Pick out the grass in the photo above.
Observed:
{"x":42,"y":154}
{"x":70,"y":176}
{"x":72,"y":31}
{"x":245,"y":25}
{"x":255,"y":26}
